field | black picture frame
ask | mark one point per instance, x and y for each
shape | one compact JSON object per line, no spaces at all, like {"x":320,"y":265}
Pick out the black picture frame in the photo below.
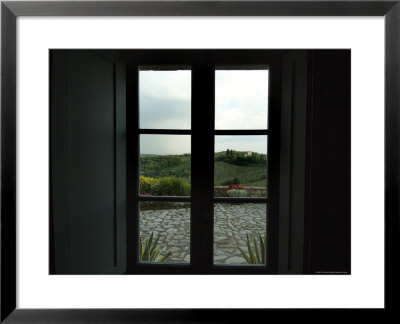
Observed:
{"x":10,"y":10}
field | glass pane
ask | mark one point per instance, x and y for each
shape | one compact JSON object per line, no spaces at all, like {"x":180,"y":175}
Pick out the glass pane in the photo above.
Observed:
{"x":233,"y":223}
{"x":164,"y":165}
{"x":240,"y":166}
{"x":241,"y":99}
{"x":164,"y":232}
{"x":164,"y":99}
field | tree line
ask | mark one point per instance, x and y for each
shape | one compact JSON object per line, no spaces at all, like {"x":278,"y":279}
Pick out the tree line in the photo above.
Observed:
{"x":241,"y":158}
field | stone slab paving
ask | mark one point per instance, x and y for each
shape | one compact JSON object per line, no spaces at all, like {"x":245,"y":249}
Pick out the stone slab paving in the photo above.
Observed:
{"x":231,"y":224}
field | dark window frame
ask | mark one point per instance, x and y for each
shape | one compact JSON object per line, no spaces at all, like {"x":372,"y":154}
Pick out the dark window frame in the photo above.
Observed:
{"x":203,"y":64}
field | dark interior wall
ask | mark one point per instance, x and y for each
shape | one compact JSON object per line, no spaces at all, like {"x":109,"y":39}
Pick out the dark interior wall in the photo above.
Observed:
{"x":87,"y":205}
{"x":292,"y":162}
{"x":327,"y":233}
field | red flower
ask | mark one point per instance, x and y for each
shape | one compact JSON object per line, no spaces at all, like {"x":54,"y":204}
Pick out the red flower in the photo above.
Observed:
{"x":236,"y":186}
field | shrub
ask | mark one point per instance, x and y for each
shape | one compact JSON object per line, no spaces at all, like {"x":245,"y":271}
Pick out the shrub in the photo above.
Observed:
{"x":166,"y":186}
{"x":145,"y":184}
{"x":236,"y":193}
{"x":170,"y":186}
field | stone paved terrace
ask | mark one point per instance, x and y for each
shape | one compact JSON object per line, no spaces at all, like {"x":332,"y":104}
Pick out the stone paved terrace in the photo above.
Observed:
{"x":231,"y":224}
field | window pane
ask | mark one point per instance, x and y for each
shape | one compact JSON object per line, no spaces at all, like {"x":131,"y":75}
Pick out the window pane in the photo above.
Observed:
{"x":232,"y":224}
{"x":241,"y":99}
{"x":164,"y":232}
{"x":164,"y":99}
{"x":164,"y":165}
{"x":240,"y":167}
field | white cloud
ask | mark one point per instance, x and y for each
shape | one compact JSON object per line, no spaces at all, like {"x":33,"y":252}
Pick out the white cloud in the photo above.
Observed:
{"x":241,"y":99}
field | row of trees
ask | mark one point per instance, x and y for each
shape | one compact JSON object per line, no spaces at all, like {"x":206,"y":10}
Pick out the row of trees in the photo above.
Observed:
{"x":241,"y":158}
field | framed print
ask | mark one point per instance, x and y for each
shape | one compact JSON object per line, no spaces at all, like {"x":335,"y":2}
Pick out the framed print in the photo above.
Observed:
{"x":191,"y":158}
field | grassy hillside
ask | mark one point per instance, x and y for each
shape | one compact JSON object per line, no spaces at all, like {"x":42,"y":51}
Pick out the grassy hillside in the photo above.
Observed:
{"x":249,"y":175}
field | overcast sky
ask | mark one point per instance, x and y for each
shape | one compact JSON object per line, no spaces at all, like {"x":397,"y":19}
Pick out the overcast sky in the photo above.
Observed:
{"x":241,"y":99}
{"x":164,"y":99}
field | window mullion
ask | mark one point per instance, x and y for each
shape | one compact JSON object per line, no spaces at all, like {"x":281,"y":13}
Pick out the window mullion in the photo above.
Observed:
{"x":202,"y":165}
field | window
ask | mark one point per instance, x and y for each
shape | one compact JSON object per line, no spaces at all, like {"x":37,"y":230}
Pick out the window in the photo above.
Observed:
{"x":201,"y":153}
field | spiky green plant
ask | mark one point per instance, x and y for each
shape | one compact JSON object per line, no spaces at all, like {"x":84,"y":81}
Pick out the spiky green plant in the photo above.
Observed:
{"x":150,"y":249}
{"x":256,"y":254}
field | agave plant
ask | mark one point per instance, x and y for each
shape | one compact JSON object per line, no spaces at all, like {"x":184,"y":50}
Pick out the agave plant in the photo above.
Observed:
{"x":256,"y":254}
{"x":150,"y":250}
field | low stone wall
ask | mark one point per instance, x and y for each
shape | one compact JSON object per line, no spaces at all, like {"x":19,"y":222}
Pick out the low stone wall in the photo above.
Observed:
{"x":220,"y":191}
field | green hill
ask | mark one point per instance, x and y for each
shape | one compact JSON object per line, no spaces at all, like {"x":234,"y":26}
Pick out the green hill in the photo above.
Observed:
{"x":249,"y":175}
